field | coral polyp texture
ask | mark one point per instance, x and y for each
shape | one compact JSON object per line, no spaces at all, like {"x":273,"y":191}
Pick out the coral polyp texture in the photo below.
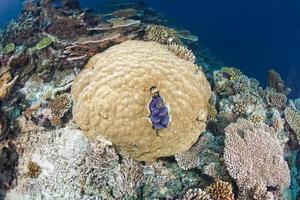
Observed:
{"x":253,"y":156}
{"x":112,"y":93}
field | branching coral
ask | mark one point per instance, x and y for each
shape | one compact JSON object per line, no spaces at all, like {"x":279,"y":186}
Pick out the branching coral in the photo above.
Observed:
{"x":253,"y":155}
{"x":189,"y":159}
{"x":111,"y":97}
{"x":276,"y":83}
{"x":293,"y":119}
{"x":182,"y":52}
{"x":274,"y":99}
{"x":129,"y":178}
{"x":260,"y":193}
{"x":161,"y":34}
{"x":195,"y":194}
{"x":59,"y":106}
{"x":220,"y":191}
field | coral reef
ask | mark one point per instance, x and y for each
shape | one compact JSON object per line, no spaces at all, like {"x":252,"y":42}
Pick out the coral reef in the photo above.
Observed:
{"x":196,"y":194}
{"x":145,"y":64}
{"x":182,"y":52}
{"x":6,"y":83}
{"x":220,"y":191}
{"x":293,"y":119}
{"x":252,"y":155}
{"x":161,"y":34}
{"x":150,"y":96}
{"x":276,"y":83}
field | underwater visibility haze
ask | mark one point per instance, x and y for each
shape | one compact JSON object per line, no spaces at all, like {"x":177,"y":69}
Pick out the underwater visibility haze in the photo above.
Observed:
{"x":132,"y":99}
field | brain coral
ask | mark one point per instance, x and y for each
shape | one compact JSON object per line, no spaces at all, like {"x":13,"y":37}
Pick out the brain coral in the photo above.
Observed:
{"x":111,"y":97}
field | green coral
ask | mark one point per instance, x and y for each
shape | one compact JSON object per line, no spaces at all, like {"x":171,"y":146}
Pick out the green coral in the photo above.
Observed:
{"x":45,"y":42}
{"x":9,"y":48}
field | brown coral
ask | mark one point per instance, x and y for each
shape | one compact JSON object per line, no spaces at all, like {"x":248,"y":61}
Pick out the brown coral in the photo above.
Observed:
{"x":293,"y":119}
{"x":161,"y":34}
{"x":253,"y":155}
{"x":182,"y":52}
{"x":111,"y":97}
{"x":6,"y":83}
{"x":220,"y":191}
{"x":34,"y":170}
{"x":58,"y":106}
{"x":196,"y":194}
{"x":260,"y":193}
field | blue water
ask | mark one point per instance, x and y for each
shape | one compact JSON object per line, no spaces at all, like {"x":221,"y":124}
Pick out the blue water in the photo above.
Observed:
{"x":251,"y":35}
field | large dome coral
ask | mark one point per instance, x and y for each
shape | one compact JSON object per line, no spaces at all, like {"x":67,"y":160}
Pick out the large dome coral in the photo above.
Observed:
{"x":112,"y":95}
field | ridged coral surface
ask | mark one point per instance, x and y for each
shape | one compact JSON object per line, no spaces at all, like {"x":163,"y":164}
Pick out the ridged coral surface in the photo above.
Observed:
{"x":111,"y":97}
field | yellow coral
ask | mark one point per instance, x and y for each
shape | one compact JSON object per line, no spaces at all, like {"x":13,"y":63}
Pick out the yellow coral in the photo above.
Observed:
{"x":34,"y":170}
{"x":161,"y":34}
{"x":111,"y":97}
{"x":220,"y":191}
{"x":58,"y":107}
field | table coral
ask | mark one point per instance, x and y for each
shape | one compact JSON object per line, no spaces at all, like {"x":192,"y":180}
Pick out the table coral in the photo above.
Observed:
{"x":111,"y":97}
{"x":253,"y":155}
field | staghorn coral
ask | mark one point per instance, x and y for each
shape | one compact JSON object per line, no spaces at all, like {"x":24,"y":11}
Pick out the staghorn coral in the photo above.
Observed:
{"x":253,"y":155}
{"x":196,"y":194}
{"x":89,"y":46}
{"x":129,"y":178}
{"x":220,"y":191}
{"x":34,"y":170}
{"x":111,"y":97}
{"x":161,"y":34}
{"x":182,"y":52}
{"x":293,"y":119}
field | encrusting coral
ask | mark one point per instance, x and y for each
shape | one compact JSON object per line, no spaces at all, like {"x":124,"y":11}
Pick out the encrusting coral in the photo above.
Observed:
{"x":111,"y":97}
{"x":161,"y":34}
{"x":182,"y":52}
{"x":220,"y":191}
{"x":253,"y":155}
